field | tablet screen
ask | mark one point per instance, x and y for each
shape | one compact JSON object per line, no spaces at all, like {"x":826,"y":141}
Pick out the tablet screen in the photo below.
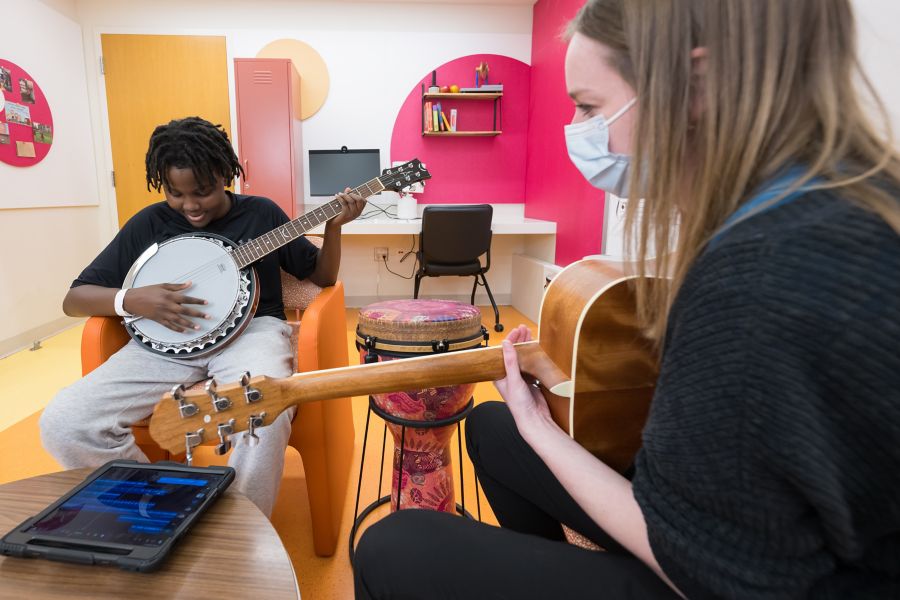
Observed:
{"x":141,"y":507}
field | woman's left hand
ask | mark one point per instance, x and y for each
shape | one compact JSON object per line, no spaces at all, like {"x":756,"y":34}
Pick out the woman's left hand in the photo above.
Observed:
{"x":525,"y":401}
{"x":352,"y":205}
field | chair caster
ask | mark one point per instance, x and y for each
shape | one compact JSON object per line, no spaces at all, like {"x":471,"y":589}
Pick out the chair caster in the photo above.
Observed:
{"x":498,"y":327}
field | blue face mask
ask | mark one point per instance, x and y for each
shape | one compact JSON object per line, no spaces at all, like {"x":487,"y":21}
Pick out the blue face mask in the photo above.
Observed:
{"x":588,"y":145}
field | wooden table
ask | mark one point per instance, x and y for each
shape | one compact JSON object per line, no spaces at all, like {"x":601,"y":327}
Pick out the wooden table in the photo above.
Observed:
{"x":231,"y":552}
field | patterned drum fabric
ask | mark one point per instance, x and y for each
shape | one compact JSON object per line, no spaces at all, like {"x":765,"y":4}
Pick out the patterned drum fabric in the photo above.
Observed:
{"x":400,"y":328}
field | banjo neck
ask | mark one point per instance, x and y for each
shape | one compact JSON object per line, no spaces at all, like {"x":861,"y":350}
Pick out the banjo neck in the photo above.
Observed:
{"x":257,"y":248}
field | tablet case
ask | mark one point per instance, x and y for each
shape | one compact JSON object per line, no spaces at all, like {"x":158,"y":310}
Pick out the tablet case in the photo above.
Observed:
{"x":125,"y":556}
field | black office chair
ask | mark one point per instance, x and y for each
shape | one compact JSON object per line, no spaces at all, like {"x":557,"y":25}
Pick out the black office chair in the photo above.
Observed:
{"x":452,"y":241}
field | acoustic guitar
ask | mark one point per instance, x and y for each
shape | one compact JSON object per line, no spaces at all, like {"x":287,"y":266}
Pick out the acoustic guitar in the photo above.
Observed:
{"x":595,"y":367}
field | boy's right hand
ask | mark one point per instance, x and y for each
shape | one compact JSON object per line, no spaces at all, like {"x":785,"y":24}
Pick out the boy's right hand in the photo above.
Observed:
{"x":166,"y":304}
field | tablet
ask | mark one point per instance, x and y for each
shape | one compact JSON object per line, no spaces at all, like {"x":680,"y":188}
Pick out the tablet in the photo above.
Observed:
{"x":125,"y":513}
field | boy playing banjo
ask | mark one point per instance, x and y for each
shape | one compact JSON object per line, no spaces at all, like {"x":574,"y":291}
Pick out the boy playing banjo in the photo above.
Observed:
{"x":191,"y":161}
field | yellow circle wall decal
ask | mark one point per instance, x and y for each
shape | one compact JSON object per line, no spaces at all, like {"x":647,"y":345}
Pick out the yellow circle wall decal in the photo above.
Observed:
{"x":312,"y":69}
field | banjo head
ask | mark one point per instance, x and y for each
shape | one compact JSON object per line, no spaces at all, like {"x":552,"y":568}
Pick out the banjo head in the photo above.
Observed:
{"x":207,"y":262}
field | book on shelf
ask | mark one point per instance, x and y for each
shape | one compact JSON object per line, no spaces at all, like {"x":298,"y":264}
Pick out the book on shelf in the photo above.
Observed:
{"x":484,"y":89}
{"x":445,"y":122}
{"x":452,"y":119}
{"x":434,"y":117}
{"x":429,"y":117}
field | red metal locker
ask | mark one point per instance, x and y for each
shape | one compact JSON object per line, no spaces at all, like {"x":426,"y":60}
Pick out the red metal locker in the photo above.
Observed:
{"x":270,"y":143}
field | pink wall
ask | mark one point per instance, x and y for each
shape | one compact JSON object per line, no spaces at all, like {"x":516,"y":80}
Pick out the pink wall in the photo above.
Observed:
{"x":554,"y":188}
{"x":470,"y":169}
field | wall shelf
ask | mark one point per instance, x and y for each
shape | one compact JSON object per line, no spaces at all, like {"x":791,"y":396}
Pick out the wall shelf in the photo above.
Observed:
{"x":467,"y":95}
{"x":495,"y":97}
{"x":461,"y":133}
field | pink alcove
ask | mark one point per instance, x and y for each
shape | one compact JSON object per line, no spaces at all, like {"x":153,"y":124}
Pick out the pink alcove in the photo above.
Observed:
{"x":470,"y":169}
{"x":555,"y":189}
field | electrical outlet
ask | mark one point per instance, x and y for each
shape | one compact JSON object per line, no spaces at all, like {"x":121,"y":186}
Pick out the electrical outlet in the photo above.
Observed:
{"x":381,"y":253}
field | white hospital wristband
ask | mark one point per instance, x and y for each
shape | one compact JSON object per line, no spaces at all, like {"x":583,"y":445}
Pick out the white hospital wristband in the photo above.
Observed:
{"x":118,"y":303}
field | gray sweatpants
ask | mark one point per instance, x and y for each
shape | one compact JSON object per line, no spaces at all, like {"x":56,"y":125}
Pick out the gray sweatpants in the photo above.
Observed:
{"x":89,"y":422}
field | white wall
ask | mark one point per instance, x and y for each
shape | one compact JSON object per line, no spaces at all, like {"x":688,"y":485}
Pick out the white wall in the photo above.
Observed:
{"x":376,"y":52}
{"x":879,"y":53}
{"x":43,"y":249}
{"x":879,"y":50}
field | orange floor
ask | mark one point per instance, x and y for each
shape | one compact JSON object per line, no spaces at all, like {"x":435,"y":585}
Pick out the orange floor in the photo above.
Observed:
{"x":29,"y":379}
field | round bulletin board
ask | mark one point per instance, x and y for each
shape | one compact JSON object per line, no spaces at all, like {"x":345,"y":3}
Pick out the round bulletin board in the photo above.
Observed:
{"x":26,"y":124}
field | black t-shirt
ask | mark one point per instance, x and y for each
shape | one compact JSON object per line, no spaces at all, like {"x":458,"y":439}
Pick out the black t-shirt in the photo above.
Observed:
{"x":248,"y":218}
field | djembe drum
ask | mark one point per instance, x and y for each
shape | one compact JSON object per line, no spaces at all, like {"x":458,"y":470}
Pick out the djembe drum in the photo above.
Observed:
{"x":421,"y":421}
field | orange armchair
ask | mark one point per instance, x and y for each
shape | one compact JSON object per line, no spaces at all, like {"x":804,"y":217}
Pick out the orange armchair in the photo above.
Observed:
{"x":322,"y":431}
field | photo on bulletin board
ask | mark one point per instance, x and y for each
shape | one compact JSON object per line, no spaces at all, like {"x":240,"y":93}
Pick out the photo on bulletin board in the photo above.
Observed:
{"x":4,"y":133}
{"x":5,"y":79}
{"x":42,"y":133}
{"x":18,"y":113}
{"x":26,"y":90}
{"x":25,"y":149}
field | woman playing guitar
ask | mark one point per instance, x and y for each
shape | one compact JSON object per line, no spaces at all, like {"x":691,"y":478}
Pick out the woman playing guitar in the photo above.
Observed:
{"x":770,"y":466}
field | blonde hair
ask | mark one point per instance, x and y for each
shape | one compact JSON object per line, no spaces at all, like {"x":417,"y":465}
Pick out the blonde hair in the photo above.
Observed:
{"x":779,"y":90}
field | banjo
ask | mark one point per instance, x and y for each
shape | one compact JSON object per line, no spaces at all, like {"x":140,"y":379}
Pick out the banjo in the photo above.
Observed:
{"x":222,"y":272}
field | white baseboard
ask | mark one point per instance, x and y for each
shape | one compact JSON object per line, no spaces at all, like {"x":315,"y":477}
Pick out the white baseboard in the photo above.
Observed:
{"x":27,"y":339}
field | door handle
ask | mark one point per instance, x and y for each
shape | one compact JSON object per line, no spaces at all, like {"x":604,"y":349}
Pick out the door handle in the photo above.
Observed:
{"x":246,"y":173}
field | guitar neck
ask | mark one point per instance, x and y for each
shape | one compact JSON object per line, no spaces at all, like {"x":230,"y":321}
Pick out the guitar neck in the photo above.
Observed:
{"x":257,"y":248}
{"x":434,"y":370}
{"x":453,"y":368}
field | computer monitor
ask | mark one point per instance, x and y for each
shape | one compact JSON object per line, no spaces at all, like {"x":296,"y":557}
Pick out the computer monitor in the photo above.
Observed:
{"x":331,"y":171}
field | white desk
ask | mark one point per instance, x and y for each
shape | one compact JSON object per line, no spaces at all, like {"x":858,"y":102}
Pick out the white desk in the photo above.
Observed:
{"x":500,"y":225}
{"x":368,"y":280}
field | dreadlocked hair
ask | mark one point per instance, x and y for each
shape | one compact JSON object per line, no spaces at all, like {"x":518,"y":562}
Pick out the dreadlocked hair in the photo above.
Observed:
{"x":191,"y":143}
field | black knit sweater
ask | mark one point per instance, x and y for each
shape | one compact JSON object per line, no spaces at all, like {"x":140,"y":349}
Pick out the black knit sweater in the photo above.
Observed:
{"x":771,"y":460}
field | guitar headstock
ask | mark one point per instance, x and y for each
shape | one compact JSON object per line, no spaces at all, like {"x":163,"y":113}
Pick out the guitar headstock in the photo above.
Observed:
{"x":187,"y":418}
{"x":399,"y":178}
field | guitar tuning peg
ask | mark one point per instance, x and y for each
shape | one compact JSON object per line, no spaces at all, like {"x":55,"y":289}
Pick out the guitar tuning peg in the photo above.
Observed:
{"x":191,"y":440}
{"x":187,"y":409}
{"x":224,"y":430}
{"x":219,"y":403}
{"x":251,"y":394}
{"x":254,"y":422}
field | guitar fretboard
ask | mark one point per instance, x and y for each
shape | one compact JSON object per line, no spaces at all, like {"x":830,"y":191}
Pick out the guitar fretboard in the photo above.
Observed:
{"x":255,"y":249}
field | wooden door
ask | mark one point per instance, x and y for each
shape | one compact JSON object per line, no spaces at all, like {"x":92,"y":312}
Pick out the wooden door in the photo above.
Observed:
{"x":150,"y":80}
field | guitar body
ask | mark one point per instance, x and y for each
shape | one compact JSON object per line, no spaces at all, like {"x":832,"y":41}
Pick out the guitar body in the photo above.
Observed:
{"x":588,"y":328}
